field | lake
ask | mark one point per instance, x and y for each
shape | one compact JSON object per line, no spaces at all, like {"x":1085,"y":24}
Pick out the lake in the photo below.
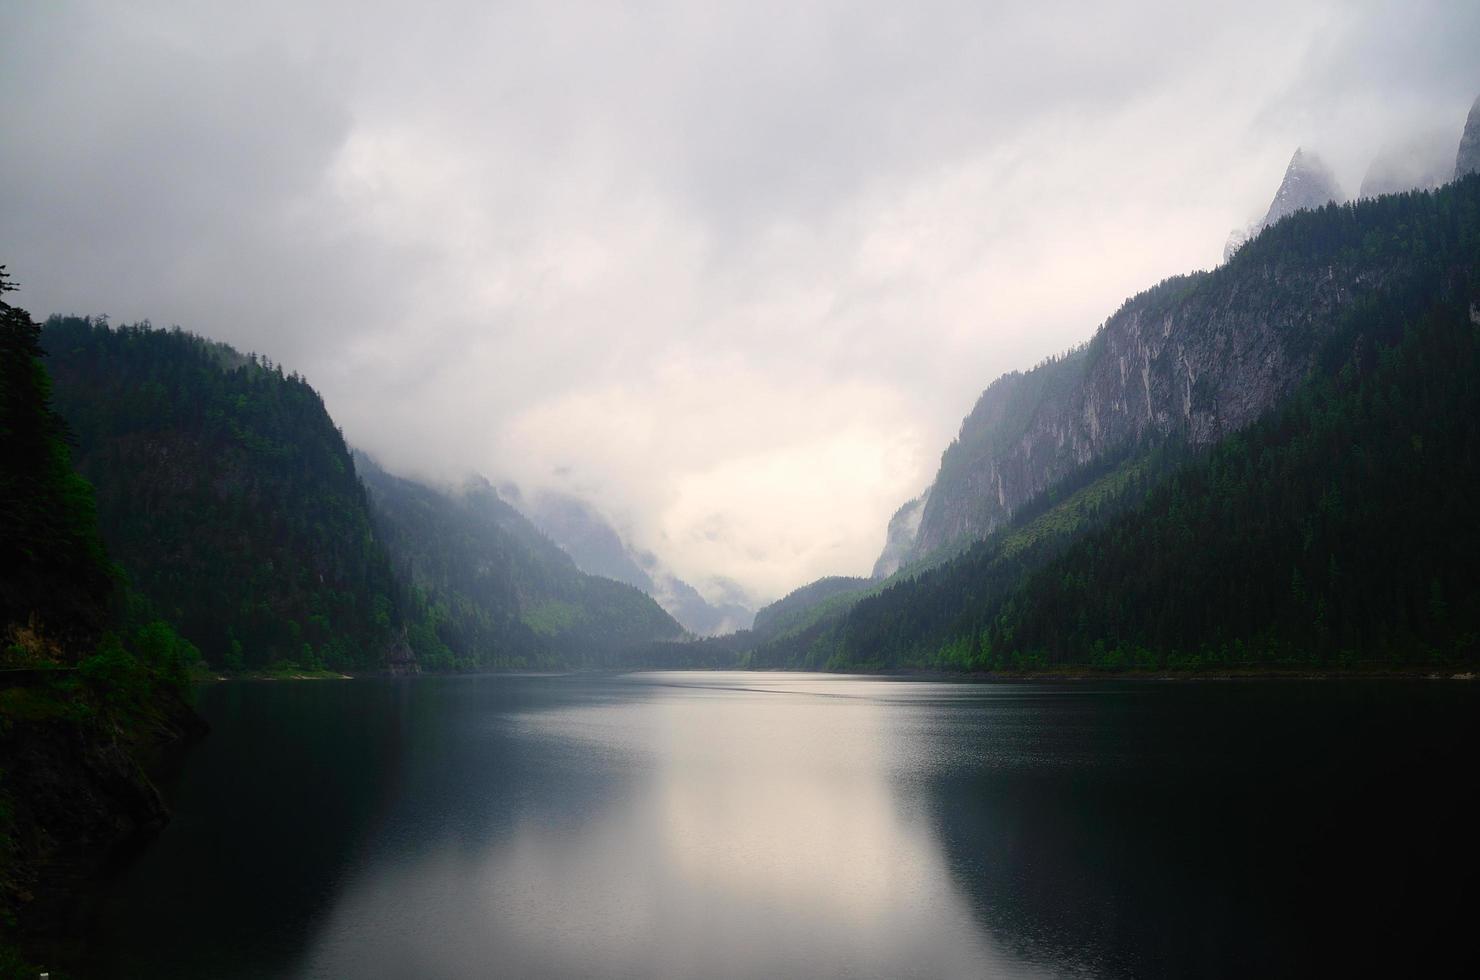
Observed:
{"x":800,"y":825}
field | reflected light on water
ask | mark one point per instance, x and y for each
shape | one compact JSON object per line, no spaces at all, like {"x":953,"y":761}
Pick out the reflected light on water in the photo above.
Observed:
{"x":727,"y":826}
{"x":786,"y":825}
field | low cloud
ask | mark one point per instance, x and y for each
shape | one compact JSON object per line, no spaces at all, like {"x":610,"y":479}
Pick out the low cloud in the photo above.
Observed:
{"x":734,"y":274}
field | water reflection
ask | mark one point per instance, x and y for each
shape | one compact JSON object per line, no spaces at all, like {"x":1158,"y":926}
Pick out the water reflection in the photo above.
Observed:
{"x":1216,"y":829}
{"x":794,"y":825}
{"x":732,"y":826}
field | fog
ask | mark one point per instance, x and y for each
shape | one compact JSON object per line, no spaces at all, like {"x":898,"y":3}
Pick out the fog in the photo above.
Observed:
{"x":733,"y":274}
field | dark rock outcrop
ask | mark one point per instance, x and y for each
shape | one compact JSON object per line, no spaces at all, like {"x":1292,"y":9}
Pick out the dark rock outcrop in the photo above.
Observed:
{"x":400,"y":659}
{"x":77,"y":798}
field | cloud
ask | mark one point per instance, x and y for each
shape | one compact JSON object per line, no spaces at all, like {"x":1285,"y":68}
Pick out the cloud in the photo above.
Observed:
{"x":734,"y":273}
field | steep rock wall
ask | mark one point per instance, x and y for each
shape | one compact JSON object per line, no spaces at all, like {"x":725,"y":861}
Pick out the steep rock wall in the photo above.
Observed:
{"x":1198,"y":357}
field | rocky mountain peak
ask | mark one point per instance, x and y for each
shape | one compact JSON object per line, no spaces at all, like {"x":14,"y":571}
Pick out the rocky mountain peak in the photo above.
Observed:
{"x":1308,"y":184}
{"x":1467,"y":161}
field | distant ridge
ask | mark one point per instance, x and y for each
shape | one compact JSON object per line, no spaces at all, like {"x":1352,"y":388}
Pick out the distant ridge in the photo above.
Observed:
{"x":1421,"y":163}
{"x":597,"y":547}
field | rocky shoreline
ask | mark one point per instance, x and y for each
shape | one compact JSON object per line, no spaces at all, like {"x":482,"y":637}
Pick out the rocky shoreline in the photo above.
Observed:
{"x":76,"y":798}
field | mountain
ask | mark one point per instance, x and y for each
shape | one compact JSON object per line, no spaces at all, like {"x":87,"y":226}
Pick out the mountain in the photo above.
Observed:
{"x":597,"y":548}
{"x":698,"y":614}
{"x":227,"y":495}
{"x":488,"y":589}
{"x":1420,"y":163}
{"x":1301,"y":500}
{"x":792,"y":609}
{"x":229,"y":498}
{"x":1308,"y":183}
{"x":1198,"y":356}
{"x":585,"y":535}
{"x":899,"y":539}
{"x":1467,"y":160}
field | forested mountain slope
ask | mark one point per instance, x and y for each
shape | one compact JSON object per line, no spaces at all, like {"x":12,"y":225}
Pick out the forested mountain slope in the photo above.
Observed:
{"x":794,"y":608}
{"x":229,"y":498}
{"x":812,"y":635}
{"x":1336,"y":529}
{"x":1196,"y":358}
{"x":1332,"y":530}
{"x":227,"y":495}
{"x":490,"y":590}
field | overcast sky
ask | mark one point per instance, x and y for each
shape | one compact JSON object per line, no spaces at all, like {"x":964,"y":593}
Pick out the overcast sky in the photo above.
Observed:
{"x":732,"y":272}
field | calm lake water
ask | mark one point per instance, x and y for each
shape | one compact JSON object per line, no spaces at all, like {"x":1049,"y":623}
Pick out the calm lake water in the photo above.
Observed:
{"x":794,"y":825}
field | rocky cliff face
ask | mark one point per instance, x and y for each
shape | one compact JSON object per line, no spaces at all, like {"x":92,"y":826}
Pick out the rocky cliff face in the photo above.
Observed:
{"x":899,"y":541}
{"x":1196,"y":357}
{"x":1468,"y":159}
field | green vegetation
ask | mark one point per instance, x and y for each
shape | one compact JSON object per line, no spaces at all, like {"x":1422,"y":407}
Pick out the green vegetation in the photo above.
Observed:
{"x":1338,"y":531}
{"x":817,"y":637}
{"x":1335,"y":533}
{"x":227,"y":495}
{"x":61,"y":606}
{"x":234,"y":507}
{"x":804,"y":628}
{"x":800,"y":607}
{"x":1078,"y":508}
{"x":86,"y":673}
{"x":57,"y":578}
{"x":488,"y":590}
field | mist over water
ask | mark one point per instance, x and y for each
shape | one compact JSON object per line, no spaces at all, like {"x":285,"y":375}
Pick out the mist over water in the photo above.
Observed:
{"x":789,"y":825}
